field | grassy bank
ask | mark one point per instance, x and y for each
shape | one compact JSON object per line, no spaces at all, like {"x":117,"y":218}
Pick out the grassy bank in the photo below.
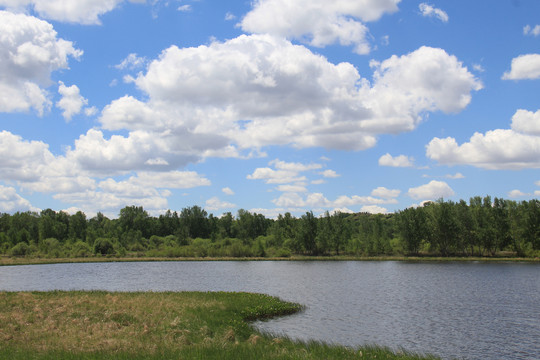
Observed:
{"x":189,"y":325}
{"x":6,"y":260}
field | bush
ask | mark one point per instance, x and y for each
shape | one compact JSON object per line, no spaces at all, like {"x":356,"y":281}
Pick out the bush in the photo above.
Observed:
{"x":103,"y":246}
{"x":81,"y":249}
{"x":51,"y":247}
{"x":21,"y":249}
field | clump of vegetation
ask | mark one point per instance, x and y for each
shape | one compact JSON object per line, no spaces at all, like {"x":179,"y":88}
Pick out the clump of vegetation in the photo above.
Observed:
{"x":191,"y":325}
{"x":481,"y":227}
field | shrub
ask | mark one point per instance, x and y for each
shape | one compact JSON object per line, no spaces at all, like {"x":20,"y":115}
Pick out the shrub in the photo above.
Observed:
{"x":103,"y":246}
{"x":81,"y":249}
{"x":21,"y":249}
{"x":51,"y":247}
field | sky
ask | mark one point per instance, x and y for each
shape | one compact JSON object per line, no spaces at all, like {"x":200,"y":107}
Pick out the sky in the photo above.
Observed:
{"x":271,"y":106}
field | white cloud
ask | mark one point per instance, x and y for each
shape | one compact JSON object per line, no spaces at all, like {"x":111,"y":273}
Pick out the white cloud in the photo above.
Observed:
{"x":296,"y":188}
{"x":455,"y":176}
{"x":294,"y":167}
{"x":524,"y":67}
{"x":431,"y":191}
{"x":227,"y":191}
{"x":516,"y":148}
{"x":479,"y":68}
{"x":272,"y":176}
{"x":171,"y":179}
{"x":184,"y":8}
{"x":214,"y":204}
{"x":29,"y":52}
{"x":318,"y":22}
{"x":289,"y":200}
{"x":360,"y":200}
{"x":22,"y":160}
{"x":528,"y":30}
{"x":110,"y":202}
{"x":329,"y":174}
{"x":427,"y":79}
{"x":90,"y":111}
{"x":83,"y":11}
{"x":132,"y":62}
{"x":229,"y":16}
{"x":293,"y":200}
{"x":526,"y":122}
{"x":517,"y":194}
{"x":373,"y":209}
{"x":398,"y":161}
{"x":287,"y":172}
{"x":71,"y":102}
{"x":255,"y":91}
{"x":430,"y":11}
{"x":11,"y":202}
{"x":385,"y":193}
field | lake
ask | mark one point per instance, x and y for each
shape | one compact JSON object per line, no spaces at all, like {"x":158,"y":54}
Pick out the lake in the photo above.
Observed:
{"x":465,"y":310}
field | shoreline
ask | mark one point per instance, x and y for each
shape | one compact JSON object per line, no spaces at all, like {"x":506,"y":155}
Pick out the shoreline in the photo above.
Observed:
{"x":156,"y":325}
{"x":12,"y":261}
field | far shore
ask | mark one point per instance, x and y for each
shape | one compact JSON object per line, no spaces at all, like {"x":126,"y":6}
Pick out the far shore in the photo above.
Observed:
{"x":6,"y":260}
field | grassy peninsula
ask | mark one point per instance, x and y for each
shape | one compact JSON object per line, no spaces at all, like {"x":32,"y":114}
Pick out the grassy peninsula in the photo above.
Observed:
{"x":146,"y":325}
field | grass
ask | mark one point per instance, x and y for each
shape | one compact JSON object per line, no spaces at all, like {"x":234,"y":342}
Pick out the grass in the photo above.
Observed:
{"x":145,"y":325}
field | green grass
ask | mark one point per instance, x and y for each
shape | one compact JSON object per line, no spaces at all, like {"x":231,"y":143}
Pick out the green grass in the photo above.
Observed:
{"x":187,"y":325}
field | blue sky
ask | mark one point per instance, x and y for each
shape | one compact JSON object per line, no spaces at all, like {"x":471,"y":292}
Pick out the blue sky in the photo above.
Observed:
{"x":271,"y":106}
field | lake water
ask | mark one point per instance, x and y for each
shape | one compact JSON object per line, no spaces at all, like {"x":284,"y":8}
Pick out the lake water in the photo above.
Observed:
{"x":455,"y":310}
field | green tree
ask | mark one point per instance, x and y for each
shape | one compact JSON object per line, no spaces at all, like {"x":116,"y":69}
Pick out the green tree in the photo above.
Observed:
{"x":307,"y":233}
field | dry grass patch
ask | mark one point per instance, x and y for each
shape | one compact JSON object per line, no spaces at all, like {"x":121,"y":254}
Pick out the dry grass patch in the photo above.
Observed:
{"x":99,"y":321}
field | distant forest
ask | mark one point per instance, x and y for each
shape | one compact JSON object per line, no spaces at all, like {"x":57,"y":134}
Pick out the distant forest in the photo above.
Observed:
{"x":481,"y":227}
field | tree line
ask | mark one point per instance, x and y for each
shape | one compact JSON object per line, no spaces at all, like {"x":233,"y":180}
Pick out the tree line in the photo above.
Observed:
{"x":481,"y":227}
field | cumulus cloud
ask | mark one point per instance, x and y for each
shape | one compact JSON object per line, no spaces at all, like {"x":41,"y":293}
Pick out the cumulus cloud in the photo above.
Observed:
{"x":385,"y":193}
{"x":29,"y":52}
{"x":329,"y":174}
{"x":524,"y":67}
{"x":132,"y":62}
{"x":318,"y":22}
{"x":255,"y":91}
{"x":526,"y":122}
{"x":71,"y":102}
{"x":22,"y":160}
{"x":432,"y":191}
{"x":517,"y":194}
{"x":529,"y":30}
{"x":35,"y":169}
{"x":82,"y":12}
{"x":227,"y":191}
{"x":373,"y":209}
{"x":214,"y":204}
{"x":11,"y":202}
{"x":430,"y":11}
{"x":515,"y":148}
{"x":147,"y":189}
{"x":397,"y":161}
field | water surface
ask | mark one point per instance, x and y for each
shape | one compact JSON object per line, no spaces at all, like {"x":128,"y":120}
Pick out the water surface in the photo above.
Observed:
{"x":455,"y":310}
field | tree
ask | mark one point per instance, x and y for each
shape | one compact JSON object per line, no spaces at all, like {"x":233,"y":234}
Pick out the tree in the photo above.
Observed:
{"x":77,"y":226}
{"x":307,"y":232}
{"x":412,"y":225}
{"x":134,"y":218}
{"x":195,"y":220}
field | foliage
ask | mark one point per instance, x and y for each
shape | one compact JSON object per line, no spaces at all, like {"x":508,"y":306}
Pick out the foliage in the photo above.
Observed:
{"x":482,"y":227}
